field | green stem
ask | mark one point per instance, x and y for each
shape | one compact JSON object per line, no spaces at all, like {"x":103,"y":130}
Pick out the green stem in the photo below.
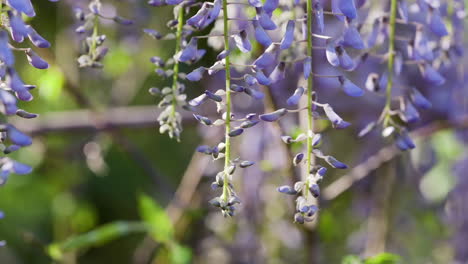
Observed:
{"x":175,"y":76}
{"x":227,"y":152}
{"x":92,"y":50}
{"x":391,"y":53}
{"x":310,"y":88}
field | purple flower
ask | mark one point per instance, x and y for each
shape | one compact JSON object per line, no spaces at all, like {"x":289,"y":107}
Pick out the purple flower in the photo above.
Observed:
{"x":261,"y":78}
{"x":410,"y":114}
{"x":403,"y":141}
{"x":255,"y":3}
{"x":419,"y":100}
{"x":403,"y":10}
{"x":254,"y":93}
{"x":350,"y":88}
{"x":17,"y":27}
{"x":432,"y":76}
{"x":352,"y":38}
{"x":236,"y":132}
{"x":23,"y":6}
{"x":278,"y":73}
{"x":287,"y":190}
{"x":156,"y":2}
{"x":335,"y":163}
{"x":270,"y":6}
{"x":347,"y":7}
{"x":264,"y":19}
{"x":196,"y":74}
{"x":173,"y":2}
{"x":274,"y":116}
{"x":294,"y":99}
{"x":9,"y":102}
{"x":307,"y":67}
{"x":37,"y":39}
{"x":242,"y":41}
{"x":190,"y":51}
{"x":314,"y":190}
{"x":6,"y":55}
{"x":267,"y":58}
{"x":17,"y":137}
{"x":436,"y":24}
{"x":261,"y":36}
{"x":288,"y":38}
{"x":318,"y":12}
{"x":336,"y":120}
{"x":36,"y":61}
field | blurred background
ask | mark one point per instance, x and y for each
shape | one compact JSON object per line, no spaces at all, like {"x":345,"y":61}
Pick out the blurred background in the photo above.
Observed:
{"x":108,"y":188}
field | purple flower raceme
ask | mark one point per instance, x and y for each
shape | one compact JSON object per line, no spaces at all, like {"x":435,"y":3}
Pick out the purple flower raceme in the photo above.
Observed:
{"x":283,"y":51}
{"x":93,"y":50}
{"x":12,"y":88}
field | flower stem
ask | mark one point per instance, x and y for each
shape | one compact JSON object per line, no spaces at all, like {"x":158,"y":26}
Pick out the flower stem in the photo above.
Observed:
{"x":180,"y":24}
{"x":391,"y":53}
{"x":227,"y":152}
{"x":310,"y":88}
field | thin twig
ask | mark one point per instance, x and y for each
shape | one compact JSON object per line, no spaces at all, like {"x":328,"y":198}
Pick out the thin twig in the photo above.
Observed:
{"x":382,"y":156}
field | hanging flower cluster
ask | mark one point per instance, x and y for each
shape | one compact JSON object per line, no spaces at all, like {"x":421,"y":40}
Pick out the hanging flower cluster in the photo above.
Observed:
{"x":12,"y":88}
{"x":93,"y":51}
{"x":303,"y":33}
{"x":427,"y":48}
{"x":13,"y":29}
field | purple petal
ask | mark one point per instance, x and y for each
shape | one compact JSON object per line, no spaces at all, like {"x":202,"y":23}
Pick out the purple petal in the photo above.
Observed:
{"x":17,"y":137}
{"x":294,"y":99}
{"x":403,"y":10}
{"x":335,"y":163}
{"x":9,"y":102}
{"x":436,"y":24}
{"x":278,"y":73}
{"x":36,"y":61}
{"x":261,"y":78}
{"x":20,"y":168}
{"x":23,"y":6}
{"x":350,"y":88}
{"x":261,"y":36}
{"x":307,"y":67}
{"x":432,"y":76}
{"x":410,"y":114}
{"x":419,"y":100}
{"x":270,"y":6}
{"x":257,"y":95}
{"x":332,"y":55}
{"x":288,"y":38}
{"x":174,"y":2}
{"x":318,"y":12}
{"x":274,"y":116}
{"x":267,"y":58}
{"x":345,"y":60}
{"x":265,"y":20}
{"x":190,"y":51}
{"x":352,"y":38}
{"x":196,"y":75}
{"x":242,"y":41}
{"x":348,"y":8}
{"x":336,"y":9}
{"x":17,"y":27}
{"x":255,"y":3}
{"x":6,"y":55}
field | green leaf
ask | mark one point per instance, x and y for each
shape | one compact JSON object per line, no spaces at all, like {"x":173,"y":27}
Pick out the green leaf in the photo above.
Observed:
{"x":96,"y":237}
{"x":384,"y":258}
{"x":180,"y":254}
{"x":51,"y":83}
{"x":153,"y":214}
{"x":351,"y":259}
